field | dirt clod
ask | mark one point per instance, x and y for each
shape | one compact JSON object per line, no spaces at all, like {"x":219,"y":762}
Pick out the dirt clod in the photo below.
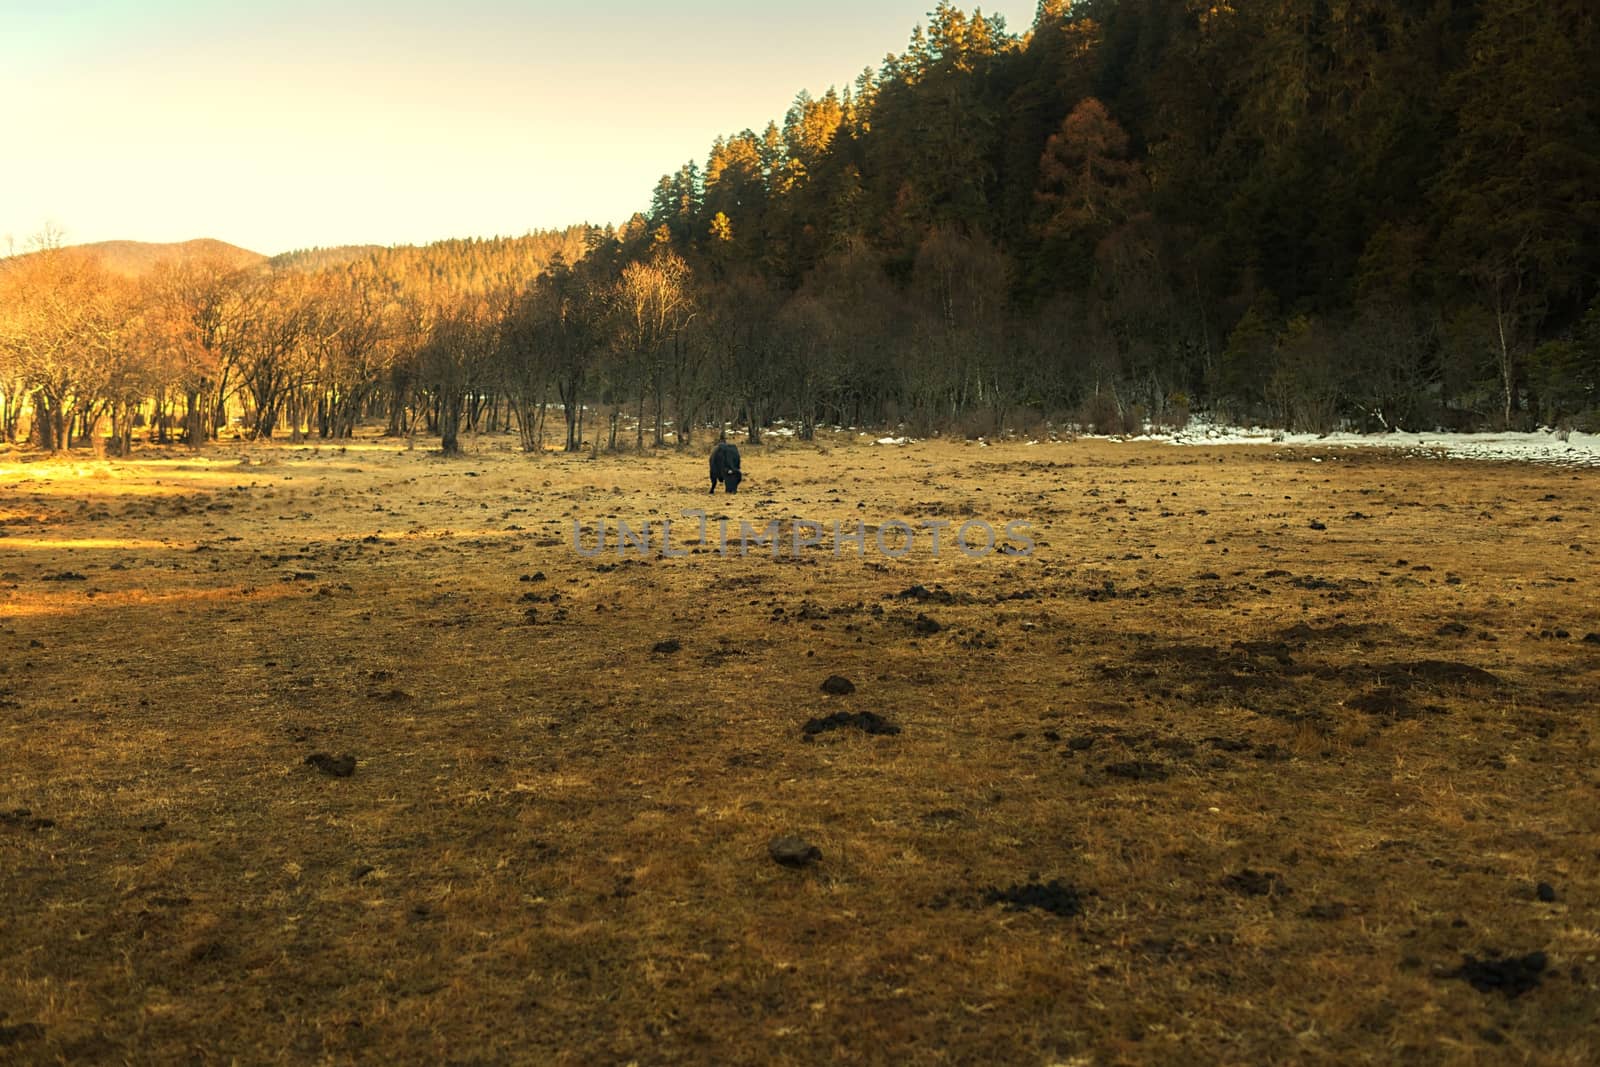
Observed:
{"x":1139,"y":771}
{"x":1436,"y":672}
{"x":1512,"y":975}
{"x":1389,"y":702}
{"x":865,"y":721}
{"x":837,"y":685}
{"x":333,"y":766}
{"x":790,"y":851}
{"x":1052,"y":896}
{"x":15,"y":1035}
{"x":25,"y":819}
{"x":1253,"y":883}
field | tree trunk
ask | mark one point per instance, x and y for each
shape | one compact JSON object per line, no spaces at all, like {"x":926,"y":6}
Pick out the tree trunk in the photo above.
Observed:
{"x":660,"y":399}
{"x":449,"y":424}
{"x":43,"y":428}
{"x":1507,"y":370}
{"x":753,"y":434}
{"x":685,"y":429}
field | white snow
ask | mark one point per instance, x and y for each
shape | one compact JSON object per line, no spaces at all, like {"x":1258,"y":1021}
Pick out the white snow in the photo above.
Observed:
{"x":894,"y":440}
{"x":1540,"y":446}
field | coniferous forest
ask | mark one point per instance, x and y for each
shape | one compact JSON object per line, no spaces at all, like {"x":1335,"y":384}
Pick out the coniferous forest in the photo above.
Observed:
{"x":1306,"y":213}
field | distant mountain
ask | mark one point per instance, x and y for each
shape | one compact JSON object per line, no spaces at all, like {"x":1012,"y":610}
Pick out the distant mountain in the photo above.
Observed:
{"x":135,"y":259}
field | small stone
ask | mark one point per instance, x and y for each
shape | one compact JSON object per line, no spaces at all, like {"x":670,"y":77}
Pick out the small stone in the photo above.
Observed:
{"x":1315,"y":525}
{"x":1545,"y":892}
{"x":793,"y":851}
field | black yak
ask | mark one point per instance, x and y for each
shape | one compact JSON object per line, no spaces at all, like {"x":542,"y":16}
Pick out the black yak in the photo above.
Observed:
{"x":725,"y":467}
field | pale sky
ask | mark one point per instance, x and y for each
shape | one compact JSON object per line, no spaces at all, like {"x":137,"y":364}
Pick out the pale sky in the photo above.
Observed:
{"x":294,"y":123}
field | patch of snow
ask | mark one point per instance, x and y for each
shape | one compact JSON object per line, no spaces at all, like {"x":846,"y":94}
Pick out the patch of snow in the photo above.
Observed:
{"x":1557,"y":448}
{"x":894,"y":441}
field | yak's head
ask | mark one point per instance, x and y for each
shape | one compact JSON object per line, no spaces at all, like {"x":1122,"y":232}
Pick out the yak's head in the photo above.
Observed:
{"x":731,"y":480}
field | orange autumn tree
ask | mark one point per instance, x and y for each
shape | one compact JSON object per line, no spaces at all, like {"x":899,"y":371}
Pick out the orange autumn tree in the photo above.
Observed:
{"x":1087,"y":183}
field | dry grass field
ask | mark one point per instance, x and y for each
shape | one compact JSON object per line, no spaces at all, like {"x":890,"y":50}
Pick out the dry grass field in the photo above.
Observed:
{"x":1265,"y":755}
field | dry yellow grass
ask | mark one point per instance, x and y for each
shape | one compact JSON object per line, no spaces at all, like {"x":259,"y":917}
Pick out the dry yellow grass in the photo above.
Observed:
{"x":1259,"y":751}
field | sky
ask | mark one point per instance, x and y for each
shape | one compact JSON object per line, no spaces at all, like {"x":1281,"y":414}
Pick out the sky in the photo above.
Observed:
{"x":285,"y":124}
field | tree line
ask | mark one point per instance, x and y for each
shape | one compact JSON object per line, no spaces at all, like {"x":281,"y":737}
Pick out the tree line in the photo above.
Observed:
{"x":1304,"y":212}
{"x":310,"y":343}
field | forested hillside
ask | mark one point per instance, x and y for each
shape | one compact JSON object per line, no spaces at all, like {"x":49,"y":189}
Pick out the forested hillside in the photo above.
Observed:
{"x":1309,"y":213}
{"x":307,"y":342}
{"x":1299,"y":210}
